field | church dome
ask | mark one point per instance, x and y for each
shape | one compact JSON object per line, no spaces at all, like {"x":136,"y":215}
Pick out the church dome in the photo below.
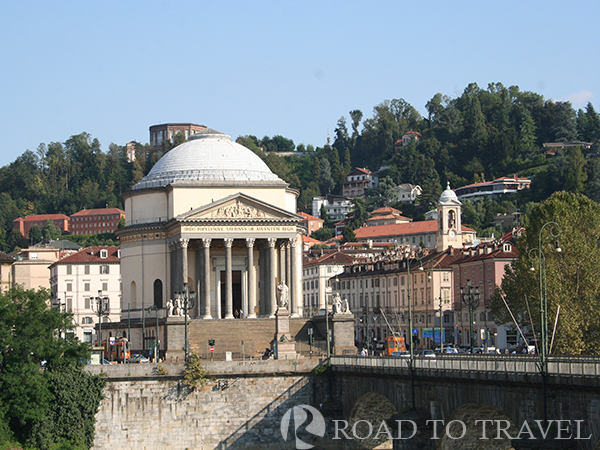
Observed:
{"x":448,"y":195}
{"x":209,"y":157}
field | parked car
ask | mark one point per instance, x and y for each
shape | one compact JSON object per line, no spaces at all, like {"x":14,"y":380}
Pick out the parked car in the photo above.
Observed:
{"x":401,"y":354}
{"x":138,"y":359}
{"x":427,"y":353}
{"x":451,"y":350}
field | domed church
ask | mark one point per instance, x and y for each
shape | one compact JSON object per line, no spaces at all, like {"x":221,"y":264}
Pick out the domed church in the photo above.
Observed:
{"x":212,"y":218}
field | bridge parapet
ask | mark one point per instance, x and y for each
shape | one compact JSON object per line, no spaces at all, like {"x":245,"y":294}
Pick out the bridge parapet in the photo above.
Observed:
{"x":573,"y":370}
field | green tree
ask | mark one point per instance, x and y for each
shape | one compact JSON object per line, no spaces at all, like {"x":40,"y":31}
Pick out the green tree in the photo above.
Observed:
{"x":39,"y":409}
{"x":576,"y":174}
{"x":50,"y":231}
{"x":326,"y":181}
{"x":35,"y":234}
{"x":322,"y":234}
{"x":571,"y":276}
{"x":348,"y":235}
{"x":359,"y":213}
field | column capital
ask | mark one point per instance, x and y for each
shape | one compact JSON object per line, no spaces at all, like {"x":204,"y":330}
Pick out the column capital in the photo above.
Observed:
{"x":271,"y":242}
{"x":228,"y":242}
{"x":206,"y":242}
{"x":293,"y":241}
{"x":250,"y":242}
{"x":179,"y":243}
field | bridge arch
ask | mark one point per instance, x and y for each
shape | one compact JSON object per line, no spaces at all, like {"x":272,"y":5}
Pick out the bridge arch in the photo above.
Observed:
{"x":474,"y":436}
{"x":370,"y":410}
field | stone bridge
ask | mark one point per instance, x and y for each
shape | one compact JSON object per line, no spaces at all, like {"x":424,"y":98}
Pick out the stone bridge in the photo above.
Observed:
{"x":245,"y":402}
{"x":504,"y":390}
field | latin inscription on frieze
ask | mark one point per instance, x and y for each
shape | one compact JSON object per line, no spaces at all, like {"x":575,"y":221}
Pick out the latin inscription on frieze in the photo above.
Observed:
{"x":239,"y":229}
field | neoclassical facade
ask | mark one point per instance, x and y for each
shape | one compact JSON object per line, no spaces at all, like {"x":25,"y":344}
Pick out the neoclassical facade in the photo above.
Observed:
{"x":212,"y":214}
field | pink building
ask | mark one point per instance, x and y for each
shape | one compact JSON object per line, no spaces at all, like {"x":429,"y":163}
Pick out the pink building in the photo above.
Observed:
{"x":24,"y":224}
{"x":481,"y":268}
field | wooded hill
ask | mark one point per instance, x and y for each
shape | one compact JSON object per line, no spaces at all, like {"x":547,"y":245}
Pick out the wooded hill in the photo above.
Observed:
{"x":481,"y":135}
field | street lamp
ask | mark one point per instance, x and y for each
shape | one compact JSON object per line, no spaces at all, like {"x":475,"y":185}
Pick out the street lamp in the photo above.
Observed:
{"x":101,"y":306}
{"x":156,"y":341}
{"x":554,"y":232}
{"x":411,"y":256}
{"x":470,"y":297}
{"x":187,"y":299}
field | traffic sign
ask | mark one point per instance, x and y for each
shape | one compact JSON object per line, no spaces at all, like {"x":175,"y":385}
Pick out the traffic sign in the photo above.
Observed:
{"x":415,"y":331}
{"x":212,"y":349}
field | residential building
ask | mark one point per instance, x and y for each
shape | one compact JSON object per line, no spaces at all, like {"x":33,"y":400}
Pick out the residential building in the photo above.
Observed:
{"x":6,"y":263}
{"x":96,"y":221}
{"x":318,"y":268}
{"x":482,"y":268}
{"x":408,"y":193}
{"x":130,"y":151}
{"x":167,"y":131}
{"x":77,"y":280}
{"x":386,"y":216}
{"x":30,"y":269}
{"x":336,"y":207}
{"x":378,"y":292}
{"x":496,"y":188}
{"x":407,"y":138}
{"x":24,"y":224}
{"x":447,"y":231}
{"x":358,"y":181}
{"x":311,"y":223}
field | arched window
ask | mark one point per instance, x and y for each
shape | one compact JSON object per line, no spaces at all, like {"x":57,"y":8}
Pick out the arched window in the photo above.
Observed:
{"x":158,"y":294}
{"x":133,"y":293}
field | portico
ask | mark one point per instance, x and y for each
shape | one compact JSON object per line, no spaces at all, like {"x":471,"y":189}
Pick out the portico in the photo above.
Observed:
{"x":233,"y":262}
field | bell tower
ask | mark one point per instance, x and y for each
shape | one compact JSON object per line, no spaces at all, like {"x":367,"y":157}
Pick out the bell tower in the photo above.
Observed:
{"x":449,"y":233}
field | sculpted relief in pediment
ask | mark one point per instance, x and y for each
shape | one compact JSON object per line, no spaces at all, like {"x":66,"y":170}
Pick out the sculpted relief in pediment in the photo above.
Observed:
{"x":237,"y":210}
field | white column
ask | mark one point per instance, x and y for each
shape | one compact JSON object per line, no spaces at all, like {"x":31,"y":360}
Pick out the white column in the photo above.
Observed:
{"x":272,"y":285}
{"x":295,"y":278}
{"x":206,"y":285}
{"x":251,"y":280}
{"x":228,"y":279}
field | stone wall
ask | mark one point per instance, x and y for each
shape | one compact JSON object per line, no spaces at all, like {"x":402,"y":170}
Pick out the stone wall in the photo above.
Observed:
{"x":242,"y":407}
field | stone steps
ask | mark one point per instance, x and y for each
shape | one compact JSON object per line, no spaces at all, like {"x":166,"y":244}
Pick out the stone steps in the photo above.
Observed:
{"x":256,"y":335}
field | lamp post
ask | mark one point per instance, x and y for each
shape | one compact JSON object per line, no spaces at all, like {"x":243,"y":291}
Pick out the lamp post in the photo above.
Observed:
{"x":411,"y":256}
{"x":101,"y":306}
{"x":470,"y":297}
{"x":553,"y":232}
{"x":187,"y":299}
{"x":156,"y":340}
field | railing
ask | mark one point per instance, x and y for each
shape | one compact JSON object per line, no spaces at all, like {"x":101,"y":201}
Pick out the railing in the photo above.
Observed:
{"x":568,"y":366}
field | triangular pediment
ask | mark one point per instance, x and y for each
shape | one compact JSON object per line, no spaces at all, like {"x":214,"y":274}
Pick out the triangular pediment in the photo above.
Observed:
{"x":238,"y":207}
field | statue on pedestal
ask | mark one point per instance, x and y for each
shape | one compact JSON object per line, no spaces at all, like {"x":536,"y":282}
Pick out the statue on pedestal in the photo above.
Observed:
{"x":284,"y":294}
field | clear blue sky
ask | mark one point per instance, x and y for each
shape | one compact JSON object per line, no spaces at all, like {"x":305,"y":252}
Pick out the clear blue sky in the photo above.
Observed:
{"x":113,"y":68}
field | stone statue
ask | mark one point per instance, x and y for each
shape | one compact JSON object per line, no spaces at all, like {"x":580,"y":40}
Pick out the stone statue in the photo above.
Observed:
{"x":345,"y":307}
{"x":283,"y":295}
{"x":169,"y":307}
{"x":337,"y":304}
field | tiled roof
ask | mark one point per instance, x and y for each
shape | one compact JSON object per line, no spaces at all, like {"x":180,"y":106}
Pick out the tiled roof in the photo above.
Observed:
{"x":97,"y":211}
{"x":92,"y":255}
{"x":386,"y":210}
{"x":309,"y":217}
{"x":308,"y":239}
{"x":330,"y":258}
{"x":399,"y":229}
{"x":6,"y":258}
{"x":46,"y":216}
{"x":396,"y":229}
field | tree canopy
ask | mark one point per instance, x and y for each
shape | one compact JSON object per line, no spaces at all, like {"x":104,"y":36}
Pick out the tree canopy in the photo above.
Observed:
{"x":45,"y":397}
{"x":569,"y":278}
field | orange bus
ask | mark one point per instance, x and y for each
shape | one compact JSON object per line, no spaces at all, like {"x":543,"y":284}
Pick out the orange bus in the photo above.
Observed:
{"x":119,"y":351}
{"x":392,"y":344}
